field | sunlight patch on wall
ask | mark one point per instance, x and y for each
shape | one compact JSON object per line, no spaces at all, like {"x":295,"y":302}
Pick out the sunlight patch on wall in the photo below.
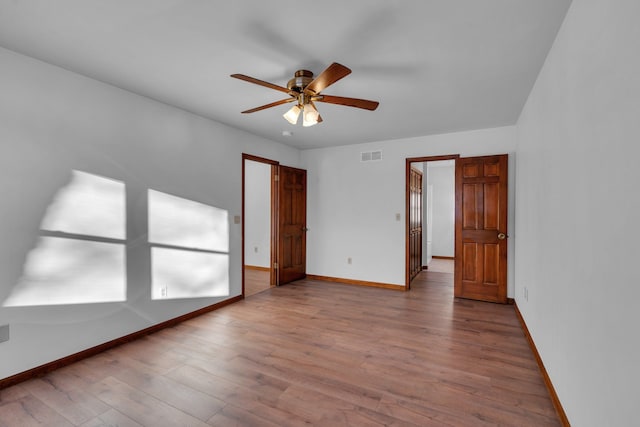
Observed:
{"x":190,"y":248}
{"x":187,"y":274}
{"x":70,"y":271}
{"x":180,"y":222}
{"x":89,"y":205}
{"x":80,"y":255}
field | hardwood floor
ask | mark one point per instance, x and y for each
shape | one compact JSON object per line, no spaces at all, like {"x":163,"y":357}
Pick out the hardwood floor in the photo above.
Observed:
{"x":308,"y":353}
{"x":255,"y":281}
{"x":441,"y":265}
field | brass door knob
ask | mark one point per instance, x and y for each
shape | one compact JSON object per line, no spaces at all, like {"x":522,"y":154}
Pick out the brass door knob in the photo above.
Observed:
{"x":502,"y":236}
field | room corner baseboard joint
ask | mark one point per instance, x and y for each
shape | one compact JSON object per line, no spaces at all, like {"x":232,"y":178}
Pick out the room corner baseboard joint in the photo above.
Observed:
{"x":545,"y":375}
{"x":257,"y":267}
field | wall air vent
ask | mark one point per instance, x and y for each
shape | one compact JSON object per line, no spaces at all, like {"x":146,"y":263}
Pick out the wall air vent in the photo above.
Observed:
{"x":371,"y":156}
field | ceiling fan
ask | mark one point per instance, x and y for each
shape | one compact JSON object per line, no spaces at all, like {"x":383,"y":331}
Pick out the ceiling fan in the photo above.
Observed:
{"x":305,"y":91}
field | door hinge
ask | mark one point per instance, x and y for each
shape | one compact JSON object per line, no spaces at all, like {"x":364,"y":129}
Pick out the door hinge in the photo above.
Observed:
{"x":276,"y":178}
{"x":275,"y":265}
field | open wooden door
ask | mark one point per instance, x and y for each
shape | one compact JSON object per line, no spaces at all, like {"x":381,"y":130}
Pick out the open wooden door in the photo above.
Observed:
{"x":415,"y":224}
{"x":481,"y":228}
{"x":292,"y":224}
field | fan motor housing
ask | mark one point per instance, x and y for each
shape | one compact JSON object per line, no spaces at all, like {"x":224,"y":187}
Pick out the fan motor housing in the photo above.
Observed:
{"x":300,"y":80}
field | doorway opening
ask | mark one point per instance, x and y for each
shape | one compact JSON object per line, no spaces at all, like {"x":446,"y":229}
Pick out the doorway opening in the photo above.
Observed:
{"x":481,"y":217}
{"x":259,"y":218}
{"x":430,"y":214}
{"x":274,"y":224}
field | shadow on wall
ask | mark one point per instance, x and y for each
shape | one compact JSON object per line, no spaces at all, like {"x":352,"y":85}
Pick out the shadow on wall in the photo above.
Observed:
{"x":80,"y":252}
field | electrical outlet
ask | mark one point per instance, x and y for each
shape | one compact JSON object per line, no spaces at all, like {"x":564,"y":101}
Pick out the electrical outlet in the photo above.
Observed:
{"x":255,"y":249}
{"x":398,"y":217}
{"x":4,"y":333}
{"x":349,"y":260}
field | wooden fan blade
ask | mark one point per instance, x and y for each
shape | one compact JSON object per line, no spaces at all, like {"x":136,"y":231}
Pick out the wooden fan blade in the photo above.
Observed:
{"x":350,"y":102}
{"x":332,"y":74}
{"x":260,"y":82}
{"x":273,"y":104}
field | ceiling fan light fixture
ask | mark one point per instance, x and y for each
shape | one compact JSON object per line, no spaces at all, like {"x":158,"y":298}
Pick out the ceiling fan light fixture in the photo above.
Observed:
{"x":310,"y":115}
{"x":304,"y":90}
{"x":292,"y":115}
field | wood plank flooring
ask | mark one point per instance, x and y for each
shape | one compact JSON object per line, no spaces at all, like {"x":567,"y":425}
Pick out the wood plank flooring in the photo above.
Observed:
{"x":441,"y":265}
{"x":308,"y":353}
{"x":255,"y":281}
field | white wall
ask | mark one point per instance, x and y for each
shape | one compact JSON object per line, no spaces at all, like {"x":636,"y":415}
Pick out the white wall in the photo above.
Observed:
{"x":352,"y":204}
{"x":577,"y":206}
{"x":53,"y":121}
{"x":257,"y":211}
{"x":427,"y":222}
{"x":442,"y":176}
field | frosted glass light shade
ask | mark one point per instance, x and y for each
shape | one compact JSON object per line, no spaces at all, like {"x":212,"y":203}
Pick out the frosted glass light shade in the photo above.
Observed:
{"x":292,"y":115}
{"x":310,"y":115}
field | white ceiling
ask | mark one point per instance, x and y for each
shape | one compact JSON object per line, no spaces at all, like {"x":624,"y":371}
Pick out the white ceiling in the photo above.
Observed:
{"x":435,"y":66}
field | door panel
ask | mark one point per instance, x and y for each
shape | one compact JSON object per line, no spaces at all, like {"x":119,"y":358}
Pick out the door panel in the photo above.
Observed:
{"x":491,"y":169}
{"x":481,"y":215}
{"x":491,"y":266}
{"x":491,"y":193}
{"x":469,"y":252}
{"x":470,"y":211}
{"x":470,"y":170}
{"x":415,"y":223}
{"x":292,"y":224}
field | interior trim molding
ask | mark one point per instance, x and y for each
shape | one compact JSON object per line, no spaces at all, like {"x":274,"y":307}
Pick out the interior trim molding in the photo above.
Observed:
{"x":41,"y":370}
{"x":256,"y":267}
{"x":547,"y":381}
{"x":356,"y":282}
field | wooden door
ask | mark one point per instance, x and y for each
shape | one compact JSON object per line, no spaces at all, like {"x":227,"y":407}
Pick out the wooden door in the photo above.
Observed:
{"x":415,"y":223}
{"x":292,"y":224}
{"x":481,"y":228}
